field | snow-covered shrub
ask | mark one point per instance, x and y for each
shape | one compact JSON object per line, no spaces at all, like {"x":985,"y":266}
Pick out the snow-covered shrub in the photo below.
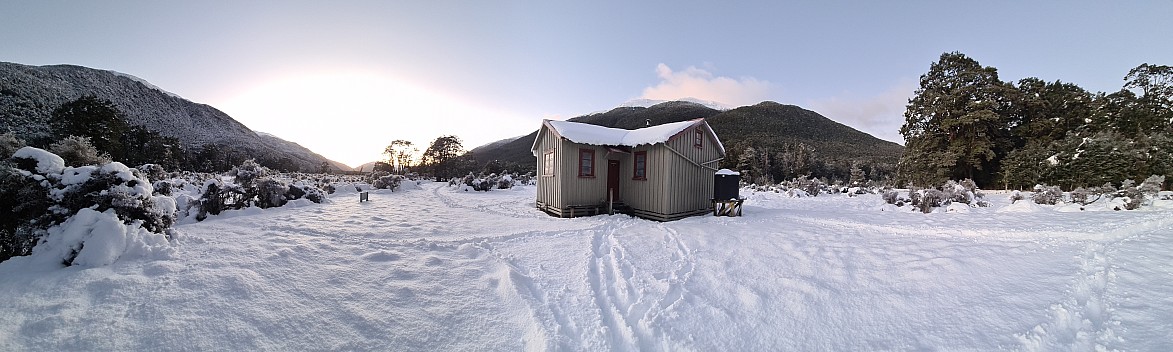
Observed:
{"x":1084,"y":196}
{"x":472,"y":182}
{"x":1016,"y":196}
{"x":390,"y":182}
{"x":505,"y":182}
{"x":1049,"y":195}
{"x":217,"y":196}
{"x":61,"y":194}
{"x":1130,"y":195}
{"x":77,"y":150}
{"x":890,"y":196}
{"x":524,"y":179}
{"x":929,"y":199}
{"x":24,"y":216}
{"x":271,"y":193}
{"x":965,"y":192}
{"x":9,"y":144}
{"x":1151,"y":186}
{"x":247,"y":173}
{"x":812,"y":186}
{"x":152,"y":171}
{"x":311,"y":193}
{"x":162,"y":187}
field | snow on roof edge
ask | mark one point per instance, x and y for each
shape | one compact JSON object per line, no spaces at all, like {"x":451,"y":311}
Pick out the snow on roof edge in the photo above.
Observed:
{"x":598,"y":135}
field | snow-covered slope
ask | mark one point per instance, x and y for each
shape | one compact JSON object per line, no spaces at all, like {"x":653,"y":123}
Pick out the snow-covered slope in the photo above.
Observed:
{"x":647,"y":103}
{"x":434,"y":269}
{"x":29,"y":94}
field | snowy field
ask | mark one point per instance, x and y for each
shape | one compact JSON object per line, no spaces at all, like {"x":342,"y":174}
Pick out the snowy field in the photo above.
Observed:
{"x":434,"y":269}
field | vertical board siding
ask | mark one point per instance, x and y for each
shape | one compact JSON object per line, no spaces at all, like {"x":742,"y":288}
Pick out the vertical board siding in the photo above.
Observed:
{"x":675,"y":186}
{"x":548,"y":186}
{"x":582,"y":190}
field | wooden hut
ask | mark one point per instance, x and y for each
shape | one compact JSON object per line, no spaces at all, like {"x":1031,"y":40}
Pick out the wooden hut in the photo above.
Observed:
{"x":662,"y":172}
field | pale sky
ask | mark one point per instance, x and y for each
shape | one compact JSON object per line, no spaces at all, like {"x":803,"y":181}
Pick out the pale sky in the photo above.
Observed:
{"x":345,"y":78}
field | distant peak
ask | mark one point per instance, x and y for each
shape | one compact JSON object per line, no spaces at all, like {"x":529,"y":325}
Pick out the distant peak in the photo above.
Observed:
{"x":144,"y":82}
{"x":647,"y":103}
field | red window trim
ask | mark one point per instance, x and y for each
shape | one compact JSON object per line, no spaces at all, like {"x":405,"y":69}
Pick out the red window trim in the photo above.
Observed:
{"x":581,"y":152}
{"x":699,"y":138}
{"x":635,"y":166}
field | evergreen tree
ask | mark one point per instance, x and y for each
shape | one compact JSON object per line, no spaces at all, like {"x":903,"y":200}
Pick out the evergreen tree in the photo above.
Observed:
{"x":956,"y":124}
{"x":439,"y":155}
{"x":92,"y":117}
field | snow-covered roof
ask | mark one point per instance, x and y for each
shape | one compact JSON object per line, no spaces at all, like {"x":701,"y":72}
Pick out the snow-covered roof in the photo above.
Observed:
{"x":599,"y":135}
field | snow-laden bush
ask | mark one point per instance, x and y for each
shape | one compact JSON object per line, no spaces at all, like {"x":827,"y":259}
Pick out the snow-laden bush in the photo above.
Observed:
{"x":1130,"y":196}
{"x":1151,"y":187}
{"x":162,"y":187}
{"x":24,"y":204}
{"x":929,"y":199}
{"x":891,"y":196}
{"x":217,"y":196}
{"x":390,"y":182}
{"x":9,"y":144}
{"x":965,"y":192}
{"x":1016,"y":196}
{"x":247,"y":173}
{"x":114,"y":186}
{"x":271,"y":193}
{"x":77,"y":150}
{"x":61,"y":195}
{"x":1044,"y":194}
{"x":1085,"y":196}
{"x":505,"y":182}
{"x":484,"y":183}
{"x":152,"y":171}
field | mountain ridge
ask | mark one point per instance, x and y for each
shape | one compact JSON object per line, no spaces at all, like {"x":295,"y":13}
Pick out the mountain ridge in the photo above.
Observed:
{"x":768,"y":125}
{"x":29,"y":94}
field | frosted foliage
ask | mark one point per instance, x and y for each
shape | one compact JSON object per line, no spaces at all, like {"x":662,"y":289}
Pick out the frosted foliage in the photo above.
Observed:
{"x":248,"y":172}
{"x":1151,"y":186}
{"x":91,"y":238}
{"x":1049,"y":195}
{"x":47,"y":163}
{"x":78,"y":150}
{"x":271,"y":193}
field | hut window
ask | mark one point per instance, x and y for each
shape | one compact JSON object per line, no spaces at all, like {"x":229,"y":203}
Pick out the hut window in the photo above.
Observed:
{"x":699,"y":141}
{"x":586,"y":163}
{"x":641,"y":166}
{"x":548,"y":163}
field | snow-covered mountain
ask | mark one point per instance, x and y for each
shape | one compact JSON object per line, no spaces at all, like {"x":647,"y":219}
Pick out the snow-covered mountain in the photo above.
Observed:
{"x":647,"y":103}
{"x":29,"y":94}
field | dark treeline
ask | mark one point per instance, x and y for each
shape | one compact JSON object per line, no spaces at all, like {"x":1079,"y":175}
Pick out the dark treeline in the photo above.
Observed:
{"x":964,"y":122}
{"x":104,"y":127}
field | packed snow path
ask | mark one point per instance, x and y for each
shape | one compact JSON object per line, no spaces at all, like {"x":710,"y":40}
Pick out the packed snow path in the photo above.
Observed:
{"x":434,"y":269}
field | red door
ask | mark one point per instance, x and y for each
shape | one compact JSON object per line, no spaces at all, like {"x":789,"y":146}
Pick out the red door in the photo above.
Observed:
{"x":613,"y":180}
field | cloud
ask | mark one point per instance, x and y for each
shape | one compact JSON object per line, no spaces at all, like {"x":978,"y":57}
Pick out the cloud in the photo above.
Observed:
{"x":697,"y":83}
{"x":880,"y":115}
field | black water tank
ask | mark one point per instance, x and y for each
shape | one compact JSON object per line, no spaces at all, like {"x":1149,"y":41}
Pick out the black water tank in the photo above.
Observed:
{"x":725,"y":185}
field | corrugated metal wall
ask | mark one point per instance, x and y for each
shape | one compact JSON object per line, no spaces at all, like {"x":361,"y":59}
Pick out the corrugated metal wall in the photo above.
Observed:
{"x":582,"y":190}
{"x":675,"y":186}
{"x":548,"y":185}
{"x":691,"y":186}
{"x":644,"y":194}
